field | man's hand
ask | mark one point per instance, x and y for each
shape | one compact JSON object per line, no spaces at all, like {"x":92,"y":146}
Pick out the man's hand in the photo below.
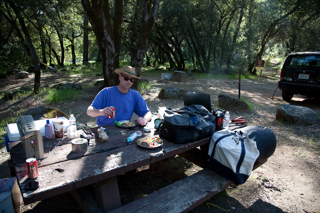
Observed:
{"x":93,"y":112}
{"x":141,"y":121}
{"x":106,"y":111}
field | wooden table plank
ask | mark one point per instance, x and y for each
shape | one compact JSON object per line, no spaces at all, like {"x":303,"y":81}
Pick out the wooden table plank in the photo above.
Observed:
{"x":83,"y":169}
{"x":91,"y":169}
{"x":81,"y":172}
{"x":57,"y":151}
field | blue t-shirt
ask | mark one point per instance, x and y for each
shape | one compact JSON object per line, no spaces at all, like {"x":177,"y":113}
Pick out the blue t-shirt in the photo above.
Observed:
{"x":125,"y":104}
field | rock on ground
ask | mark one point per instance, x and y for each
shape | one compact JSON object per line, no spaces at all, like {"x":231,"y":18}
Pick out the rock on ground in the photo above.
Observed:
{"x":297,"y":115}
{"x":232,"y":104}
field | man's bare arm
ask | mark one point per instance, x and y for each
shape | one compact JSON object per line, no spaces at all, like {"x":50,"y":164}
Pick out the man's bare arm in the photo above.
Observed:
{"x":93,"y":112}
{"x":145,"y":119}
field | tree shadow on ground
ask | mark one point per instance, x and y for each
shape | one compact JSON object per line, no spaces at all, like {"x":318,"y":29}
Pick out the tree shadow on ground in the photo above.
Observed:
{"x":223,"y":203}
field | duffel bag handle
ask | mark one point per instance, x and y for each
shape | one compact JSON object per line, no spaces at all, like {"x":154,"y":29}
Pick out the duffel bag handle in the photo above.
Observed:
{"x":244,"y":135}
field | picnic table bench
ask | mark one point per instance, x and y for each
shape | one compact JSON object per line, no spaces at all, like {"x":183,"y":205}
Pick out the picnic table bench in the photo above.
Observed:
{"x":181,"y":196}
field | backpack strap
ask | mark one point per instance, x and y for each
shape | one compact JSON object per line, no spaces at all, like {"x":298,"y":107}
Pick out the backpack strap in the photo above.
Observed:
{"x":242,"y":155}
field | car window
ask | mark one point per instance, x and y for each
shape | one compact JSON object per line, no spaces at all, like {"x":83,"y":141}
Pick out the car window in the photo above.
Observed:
{"x":303,"y":61}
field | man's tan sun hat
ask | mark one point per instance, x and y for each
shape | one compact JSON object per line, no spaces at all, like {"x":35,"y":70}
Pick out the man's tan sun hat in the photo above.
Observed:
{"x":127,"y":70}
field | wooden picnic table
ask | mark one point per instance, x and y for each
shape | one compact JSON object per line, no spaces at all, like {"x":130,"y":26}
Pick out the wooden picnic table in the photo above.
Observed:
{"x":63,"y":171}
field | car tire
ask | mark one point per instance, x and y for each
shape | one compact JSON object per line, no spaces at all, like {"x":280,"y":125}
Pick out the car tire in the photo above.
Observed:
{"x":287,"y":95}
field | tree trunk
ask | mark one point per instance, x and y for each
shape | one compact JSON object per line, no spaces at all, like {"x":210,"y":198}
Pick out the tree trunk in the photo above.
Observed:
{"x":223,"y":46}
{"x":85,"y":58}
{"x":117,"y":31}
{"x":49,"y":46}
{"x":43,"y":47}
{"x":196,"y":49}
{"x":148,"y":60}
{"x":61,"y":62}
{"x":147,"y":25}
{"x":249,"y":37}
{"x":191,"y":54}
{"x":98,"y":13}
{"x":13,"y":23}
{"x":73,"y":53}
{"x":177,"y":46}
{"x":36,"y":62}
{"x":164,"y":47}
{"x":56,"y":55}
{"x":134,"y":30}
{"x":235,"y":36}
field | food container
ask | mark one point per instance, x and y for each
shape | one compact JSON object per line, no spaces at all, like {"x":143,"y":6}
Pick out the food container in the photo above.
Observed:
{"x":79,"y":145}
{"x":146,"y":130}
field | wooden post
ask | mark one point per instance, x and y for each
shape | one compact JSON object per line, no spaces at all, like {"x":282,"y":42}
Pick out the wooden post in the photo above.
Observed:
{"x":239,"y":84}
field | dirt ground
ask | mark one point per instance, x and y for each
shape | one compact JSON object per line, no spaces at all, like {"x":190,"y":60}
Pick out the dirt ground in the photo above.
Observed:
{"x":288,"y":182}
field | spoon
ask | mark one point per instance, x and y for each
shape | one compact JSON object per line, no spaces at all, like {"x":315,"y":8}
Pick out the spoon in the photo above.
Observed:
{"x":118,"y":123}
{"x":155,"y":140}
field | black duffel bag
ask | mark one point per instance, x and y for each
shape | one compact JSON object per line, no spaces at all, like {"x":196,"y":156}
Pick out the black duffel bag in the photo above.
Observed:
{"x":187,"y":124}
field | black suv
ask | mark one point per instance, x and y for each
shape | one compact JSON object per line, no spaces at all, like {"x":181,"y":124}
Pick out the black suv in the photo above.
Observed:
{"x":300,"y":74}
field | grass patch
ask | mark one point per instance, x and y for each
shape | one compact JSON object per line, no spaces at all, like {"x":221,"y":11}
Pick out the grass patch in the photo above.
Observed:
{"x":2,"y":140}
{"x":89,"y":69}
{"x":227,"y":77}
{"x":153,"y":72}
{"x":4,"y":123}
{"x":281,"y":121}
{"x":58,"y":96}
{"x":233,"y":190}
{"x":249,"y":104}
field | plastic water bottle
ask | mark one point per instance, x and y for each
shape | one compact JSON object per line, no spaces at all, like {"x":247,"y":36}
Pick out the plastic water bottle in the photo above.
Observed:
{"x":132,"y":137}
{"x":226,"y":120}
{"x":48,"y":130}
{"x":72,"y":129}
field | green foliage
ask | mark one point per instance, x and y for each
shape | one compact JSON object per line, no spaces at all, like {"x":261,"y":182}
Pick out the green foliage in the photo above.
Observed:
{"x":10,"y":57}
{"x":144,"y":87}
{"x":215,"y":36}
{"x":4,"y":123}
{"x":58,"y":96}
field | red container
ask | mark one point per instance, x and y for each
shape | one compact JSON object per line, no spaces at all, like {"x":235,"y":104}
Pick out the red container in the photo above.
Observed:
{"x":32,"y":168}
{"x":113,"y":115}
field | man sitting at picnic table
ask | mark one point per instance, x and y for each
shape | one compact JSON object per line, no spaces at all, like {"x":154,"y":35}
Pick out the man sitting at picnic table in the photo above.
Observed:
{"x":125,"y":100}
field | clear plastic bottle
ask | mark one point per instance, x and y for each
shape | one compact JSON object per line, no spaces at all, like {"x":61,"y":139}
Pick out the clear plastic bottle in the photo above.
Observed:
{"x":226,"y":120}
{"x":48,"y":130}
{"x":72,"y":129}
